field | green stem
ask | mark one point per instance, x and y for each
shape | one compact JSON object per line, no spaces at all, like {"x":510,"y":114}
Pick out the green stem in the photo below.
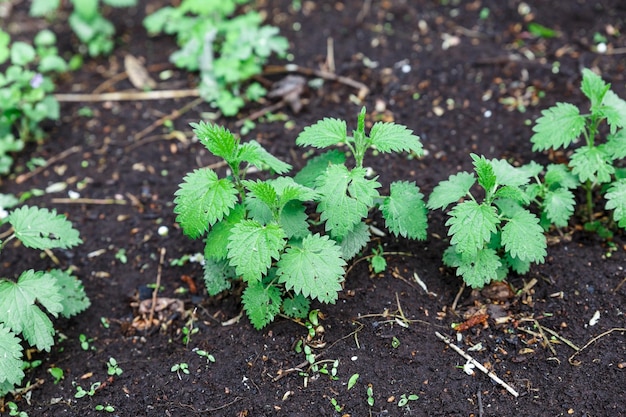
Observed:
{"x":589,"y":197}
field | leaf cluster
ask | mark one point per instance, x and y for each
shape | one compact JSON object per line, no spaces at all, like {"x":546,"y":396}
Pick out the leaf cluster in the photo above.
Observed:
{"x":260,"y":230}
{"x":491,"y":236}
{"x":26,"y":88}
{"x":225,"y":49}
{"x":94,"y":31}
{"x":595,"y":163}
{"x":27,"y":303}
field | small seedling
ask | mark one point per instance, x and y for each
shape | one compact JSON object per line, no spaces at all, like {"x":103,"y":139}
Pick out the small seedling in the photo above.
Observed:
{"x":395,"y":342}
{"x":180,"y":367}
{"x":57,"y":374}
{"x":80,"y":392}
{"x":189,"y":330}
{"x":108,"y":408}
{"x":377,"y":261}
{"x":205,"y":354}
{"x":352,"y":381}
{"x":370,"y":395}
{"x":113,"y":368}
{"x":336,"y":405}
{"x":120,"y":255}
{"x":14,"y":410}
{"x":404,"y":399}
{"x":85,"y":342}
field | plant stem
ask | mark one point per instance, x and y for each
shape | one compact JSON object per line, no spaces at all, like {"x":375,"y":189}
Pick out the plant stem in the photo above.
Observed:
{"x":589,"y":197}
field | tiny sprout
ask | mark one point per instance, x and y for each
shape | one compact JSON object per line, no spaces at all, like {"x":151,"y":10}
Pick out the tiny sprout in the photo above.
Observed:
{"x":57,"y":374}
{"x":352,"y":381}
{"x":395,"y":342}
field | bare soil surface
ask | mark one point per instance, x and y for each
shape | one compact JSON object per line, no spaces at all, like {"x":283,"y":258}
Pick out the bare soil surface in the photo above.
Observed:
{"x":464,"y":80}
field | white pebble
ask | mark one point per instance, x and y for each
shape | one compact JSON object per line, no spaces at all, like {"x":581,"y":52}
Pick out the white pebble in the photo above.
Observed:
{"x":163,"y":231}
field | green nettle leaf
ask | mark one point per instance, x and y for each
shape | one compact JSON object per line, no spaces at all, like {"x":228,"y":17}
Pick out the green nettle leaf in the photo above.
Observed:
{"x":217,"y":275}
{"x":252,"y":246}
{"x":339,"y":210}
{"x":253,"y":153}
{"x":293,"y":220}
{"x":316,"y":166}
{"x":558,"y":126}
{"x":11,"y":359}
{"x":39,"y":8}
{"x":325,"y":133}
{"x":40,"y":228}
{"x":481,"y":269}
{"x":614,"y":109}
{"x":218,"y":140}
{"x":593,"y":164}
{"x":261,"y":304}
{"x":216,"y":242}
{"x":523,"y":237}
{"x":362,"y":189}
{"x":297,"y":307}
{"x":75,"y":299}
{"x":616,"y":200}
{"x":288,"y":189}
{"x":262,"y":191}
{"x":560,"y":175}
{"x":616,"y":145}
{"x":512,"y":193}
{"x":315,"y":269}
{"x":23,"y":315}
{"x":511,"y":176}
{"x":471,"y":225}
{"x":451,"y":190}
{"x":404,"y":211}
{"x":355,"y":240}
{"x":559,"y":206}
{"x":391,"y":137}
{"x":594,"y":88}
{"x":516,"y":264}
{"x":202,"y":200}
{"x":486,"y":175}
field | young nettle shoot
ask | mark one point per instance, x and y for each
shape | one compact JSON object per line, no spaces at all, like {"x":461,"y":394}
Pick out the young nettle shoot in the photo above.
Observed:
{"x":370,"y":395}
{"x":495,"y":235}
{"x":405,"y":398}
{"x":28,"y":302}
{"x":180,"y":367}
{"x":81,"y":392}
{"x":259,"y":230}
{"x":204,"y":354}
{"x":596,"y":163}
{"x":108,"y":408}
{"x":57,"y":374}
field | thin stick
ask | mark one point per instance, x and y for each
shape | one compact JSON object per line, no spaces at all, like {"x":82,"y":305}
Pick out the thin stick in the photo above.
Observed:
{"x":477,"y":364}
{"x":173,"y":115}
{"x":101,"y":201}
{"x":158,"y":285}
{"x":261,"y":112}
{"x":127,"y":96}
{"x":277,"y":69}
{"x":592,"y":341}
{"x":458,"y":297}
{"x":20,"y":179}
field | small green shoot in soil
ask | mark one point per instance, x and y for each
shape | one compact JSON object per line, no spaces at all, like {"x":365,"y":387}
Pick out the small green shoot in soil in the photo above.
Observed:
{"x":108,"y":408}
{"x":120,"y":255}
{"x":81,"y":392}
{"x":85,"y":342}
{"x":377,"y":261}
{"x":370,"y":395}
{"x":336,"y":405}
{"x":259,"y":231}
{"x":113,"y":368}
{"x":57,"y":374}
{"x":395,"y":342}
{"x":180,"y":367}
{"x":352,"y":381}
{"x":204,"y":354}
{"x":491,"y":236}
{"x":405,"y":398}
{"x":14,"y":410}
{"x":598,"y":165}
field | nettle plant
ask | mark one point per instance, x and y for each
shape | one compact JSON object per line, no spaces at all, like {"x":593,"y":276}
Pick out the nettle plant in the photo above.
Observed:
{"x":94,"y":31}
{"x":27,"y":303}
{"x":227,"y":50}
{"x":265,"y":232}
{"x":26,"y":88}
{"x":595,"y":164}
{"x":492,"y":236}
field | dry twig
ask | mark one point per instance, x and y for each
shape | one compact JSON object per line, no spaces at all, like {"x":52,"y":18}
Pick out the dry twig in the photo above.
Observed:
{"x":592,"y":341}
{"x":20,"y":179}
{"x":155,"y":293}
{"x":478,"y":365}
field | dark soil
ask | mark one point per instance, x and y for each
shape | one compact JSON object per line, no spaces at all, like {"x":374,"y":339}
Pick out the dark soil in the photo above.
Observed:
{"x":459,"y":99}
